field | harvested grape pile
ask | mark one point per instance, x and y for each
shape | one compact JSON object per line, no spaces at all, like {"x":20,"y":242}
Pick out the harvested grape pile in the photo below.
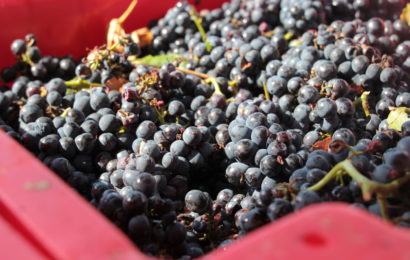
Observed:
{"x":211,"y":124}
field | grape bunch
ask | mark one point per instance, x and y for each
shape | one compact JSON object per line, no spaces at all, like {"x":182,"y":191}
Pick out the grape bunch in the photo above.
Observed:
{"x":269,"y":107}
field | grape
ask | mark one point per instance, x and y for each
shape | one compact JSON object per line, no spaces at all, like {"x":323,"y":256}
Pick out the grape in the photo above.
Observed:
{"x":134,"y":202}
{"x":144,"y":183}
{"x":144,"y":163}
{"x":310,"y":138}
{"x":345,"y":135}
{"x":373,"y":71}
{"x":29,"y":113}
{"x":259,"y":136}
{"x":405,"y":128}
{"x":279,"y":208}
{"x":139,"y":228}
{"x":341,"y":193}
{"x":325,"y":108}
{"x":235,"y":172}
{"x":403,"y":100}
{"x":149,"y":148}
{"x":382,"y":173}
{"x":314,"y":175}
{"x":245,"y":150}
{"x":382,"y":107}
{"x":375,"y":26}
{"x":269,"y":166}
{"x":82,"y":104}
{"x":318,"y":161}
{"x":62,"y":167}
{"x":360,"y":64}
{"x":252,"y":220}
{"x":403,"y":145}
{"x":388,"y":75}
{"x":307,"y":95}
{"x":99,"y":100}
{"x":176,"y":108}
{"x":18,"y":47}
{"x":49,"y":144}
{"x":196,"y":201}
{"x":305,"y":198}
{"x":192,"y":136}
{"x":90,"y":126}
{"x":324,"y":69}
{"x":175,"y":233}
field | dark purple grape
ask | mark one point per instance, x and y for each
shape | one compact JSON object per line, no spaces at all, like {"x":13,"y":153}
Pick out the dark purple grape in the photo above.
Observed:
{"x":197,"y":201}
{"x":278,"y":208}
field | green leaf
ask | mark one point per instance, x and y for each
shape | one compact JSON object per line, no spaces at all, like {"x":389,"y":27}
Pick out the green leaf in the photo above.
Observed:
{"x":183,"y":64}
{"x":158,"y":60}
{"x":405,"y":15}
{"x":397,"y":117}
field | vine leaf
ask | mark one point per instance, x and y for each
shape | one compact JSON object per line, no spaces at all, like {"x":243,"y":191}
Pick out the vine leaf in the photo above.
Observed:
{"x":322,"y":144}
{"x":115,"y":83}
{"x":397,"y":117}
{"x":358,"y":89}
{"x":157,"y":60}
{"x":142,"y":36}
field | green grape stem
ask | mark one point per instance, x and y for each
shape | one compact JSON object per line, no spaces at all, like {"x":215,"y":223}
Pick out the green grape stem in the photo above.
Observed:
{"x":383,"y":207}
{"x":25,"y":58}
{"x":197,"y":20}
{"x":215,"y":83}
{"x":368,"y":187}
{"x":234,"y":85}
{"x":79,"y":84}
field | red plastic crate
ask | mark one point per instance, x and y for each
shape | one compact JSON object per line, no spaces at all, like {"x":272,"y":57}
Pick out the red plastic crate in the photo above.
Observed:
{"x":42,"y":218}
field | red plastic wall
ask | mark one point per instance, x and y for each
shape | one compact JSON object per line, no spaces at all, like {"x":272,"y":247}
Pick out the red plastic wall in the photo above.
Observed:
{"x":42,"y":218}
{"x":70,"y":26}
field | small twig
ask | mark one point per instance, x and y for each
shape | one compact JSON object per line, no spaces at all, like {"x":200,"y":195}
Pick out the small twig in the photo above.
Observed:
{"x":365,"y":102}
{"x":234,"y":85}
{"x":78,"y":84}
{"x":65,"y":112}
{"x":197,"y":20}
{"x":288,"y":36}
{"x":195,"y":73}
{"x":25,"y":58}
{"x":383,"y":207}
{"x":265,"y":91}
{"x":128,"y":11}
{"x":215,"y":83}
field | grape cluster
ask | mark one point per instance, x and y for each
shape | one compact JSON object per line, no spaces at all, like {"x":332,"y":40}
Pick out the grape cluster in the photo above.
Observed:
{"x":357,"y":9}
{"x":281,"y":104}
